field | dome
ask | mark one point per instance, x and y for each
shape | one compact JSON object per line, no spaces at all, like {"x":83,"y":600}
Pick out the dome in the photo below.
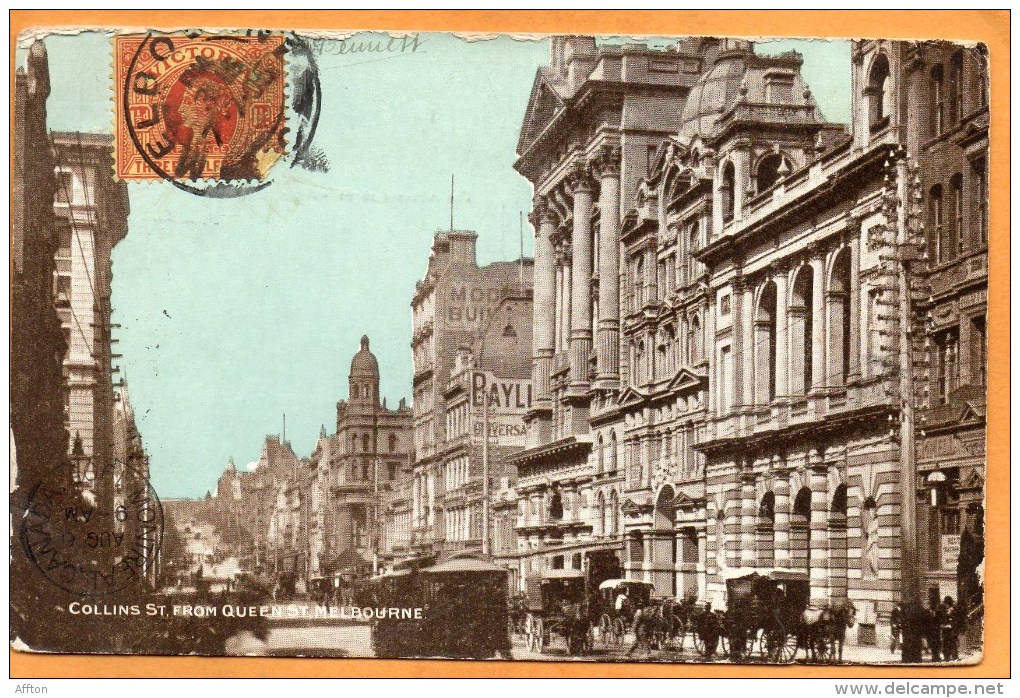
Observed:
{"x":364,"y":363}
{"x":715,"y":91}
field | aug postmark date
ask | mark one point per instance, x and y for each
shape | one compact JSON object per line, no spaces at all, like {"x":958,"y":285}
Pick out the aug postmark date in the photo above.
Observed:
{"x":194,"y":106}
{"x":96,"y":537}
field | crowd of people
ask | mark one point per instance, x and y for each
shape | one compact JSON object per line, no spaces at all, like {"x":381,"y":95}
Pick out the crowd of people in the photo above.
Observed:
{"x":933,"y":629}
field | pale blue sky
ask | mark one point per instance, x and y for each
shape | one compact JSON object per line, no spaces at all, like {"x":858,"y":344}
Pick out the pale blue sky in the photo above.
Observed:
{"x":233,"y":312}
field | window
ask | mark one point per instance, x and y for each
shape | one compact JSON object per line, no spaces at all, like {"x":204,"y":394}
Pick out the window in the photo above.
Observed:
{"x":772,"y":168}
{"x":980,"y":174}
{"x":779,"y":88}
{"x":62,"y":292}
{"x":393,"y":442}
{"x":692,"y":247}
{"x":364,"y":471}
{"x":556,"y":506}
{"x":364,"y":442}
{"x":509,"y":331}
{"x":392,"y":467}
{"x":65,"y":187}
{"x":726,"y":387}
{"x":727,"y":192}
{"x":945,"y":364}
{"x":650,"y":158}
{"x":940,"y":232}
{"x":978,"y":351}
{"x":938,"y":101}
{"x":878,"y":83}
{"x":956,"y":185}
{"x":724,"y":305}
{"x":956,"y":88}
{"x":612,"y":452}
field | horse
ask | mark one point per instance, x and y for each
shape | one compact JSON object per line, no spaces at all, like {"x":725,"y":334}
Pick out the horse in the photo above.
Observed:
{"x":823,"y":629}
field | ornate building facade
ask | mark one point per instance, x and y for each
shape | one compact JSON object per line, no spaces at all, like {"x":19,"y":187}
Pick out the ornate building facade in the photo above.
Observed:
{"x":751,"y":397}
{"x":373,"y":447}
{"x":595,"y":120}
{"x":458,"y":304}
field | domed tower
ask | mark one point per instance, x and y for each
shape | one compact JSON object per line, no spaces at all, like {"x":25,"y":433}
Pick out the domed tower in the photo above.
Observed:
{"x":364,"y":377}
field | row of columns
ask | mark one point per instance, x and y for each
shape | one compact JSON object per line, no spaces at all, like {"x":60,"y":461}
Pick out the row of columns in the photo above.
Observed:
{"x":826,"y":338}
{"x":562,"y":291}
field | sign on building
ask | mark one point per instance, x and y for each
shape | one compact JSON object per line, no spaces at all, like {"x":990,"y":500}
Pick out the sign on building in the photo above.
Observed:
{"x":509,"y":399}
{"x":950,"y":551}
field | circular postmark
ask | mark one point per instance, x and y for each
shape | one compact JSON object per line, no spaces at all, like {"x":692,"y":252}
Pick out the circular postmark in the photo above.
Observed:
{"x":208,"y":112}
{"x":93,"y":536}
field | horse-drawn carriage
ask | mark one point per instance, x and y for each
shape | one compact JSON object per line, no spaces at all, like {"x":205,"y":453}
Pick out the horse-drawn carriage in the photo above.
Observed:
{"x":614,"y":619}
{"x":557,"y":604}
{"x":763,"y":616}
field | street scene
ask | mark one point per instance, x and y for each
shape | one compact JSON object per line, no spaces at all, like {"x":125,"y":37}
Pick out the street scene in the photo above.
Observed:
{"x":727,"y":404}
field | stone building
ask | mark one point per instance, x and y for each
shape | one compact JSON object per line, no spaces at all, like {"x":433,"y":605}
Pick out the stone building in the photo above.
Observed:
{"x":595,"y":121}
{"x":495,"y":367}
{"x":91,"y":217}
{"x":454,"y":305}
{"x":37,"y":344}
{"x":373,"y":446}
{"x":761,"y":294}
{"x":949,"y":87}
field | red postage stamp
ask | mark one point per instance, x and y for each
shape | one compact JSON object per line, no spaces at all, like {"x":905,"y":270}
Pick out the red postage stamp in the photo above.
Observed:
{"x":198,"y":106}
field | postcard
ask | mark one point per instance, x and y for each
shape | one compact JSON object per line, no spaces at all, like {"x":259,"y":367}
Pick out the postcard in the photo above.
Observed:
{"x":560,"y":346}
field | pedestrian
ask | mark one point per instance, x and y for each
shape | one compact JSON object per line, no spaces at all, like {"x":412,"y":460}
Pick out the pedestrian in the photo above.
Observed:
{"x":710,"y":631}
{"x":895,"y":627}
{"x":947,"y":625}
{"x":642,"y":629}
{"x":933,"y":631}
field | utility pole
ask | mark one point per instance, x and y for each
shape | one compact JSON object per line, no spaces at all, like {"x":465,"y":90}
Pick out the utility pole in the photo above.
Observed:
{"x":908,"y":469}
{"x":485,"y":468}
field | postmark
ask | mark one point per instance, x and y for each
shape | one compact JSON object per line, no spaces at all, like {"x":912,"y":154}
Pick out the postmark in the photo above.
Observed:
{"x":194,"y":106}
{"x":95,"y":537}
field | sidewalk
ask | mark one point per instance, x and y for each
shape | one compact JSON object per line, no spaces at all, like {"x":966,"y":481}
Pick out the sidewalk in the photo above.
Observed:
{"x":871,"y":654}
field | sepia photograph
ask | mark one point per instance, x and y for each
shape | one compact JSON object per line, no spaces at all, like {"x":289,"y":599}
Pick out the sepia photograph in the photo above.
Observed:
{"x":551,"y":347}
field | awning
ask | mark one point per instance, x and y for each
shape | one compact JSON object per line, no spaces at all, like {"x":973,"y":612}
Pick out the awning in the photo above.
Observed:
{"x":613,"y":583}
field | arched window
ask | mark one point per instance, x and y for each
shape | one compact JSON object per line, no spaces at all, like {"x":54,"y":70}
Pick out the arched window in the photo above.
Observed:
{"x":839,"y":324}
{"x":694,"y":341}
{"x":664,"y":544}
{"x":692,"y":247}
{"x":765,"y":535}
{"x":601,"y":455}
{"x":765,"y":346}
{"x":612,"y":452}
{"x":393,"y":442}
{"x":638,"y":282}
{"x":556,"y":506}
{"x":601,"y":527}
{"x":727,"y":192}
{"x":956,"y":187}
{"x":937,"y":226}
{"x":937,"y":97}
{"x":800,"y":531}
{"x":878,"y":84}
{"x":956,"y":88}
{"x":771,"y":169}
{"x":354,"y":392}
{"x":801,"y":325}
{"x":838,"y":563}
{"x":614,"y":513}
{"x":364,"y":442}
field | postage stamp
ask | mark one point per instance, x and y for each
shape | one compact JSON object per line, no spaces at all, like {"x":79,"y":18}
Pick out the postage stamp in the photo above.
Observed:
{"x":198,"y":106}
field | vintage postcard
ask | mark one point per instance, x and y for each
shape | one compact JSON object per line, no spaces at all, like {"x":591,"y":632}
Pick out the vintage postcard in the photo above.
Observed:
{"x":664,"y":349}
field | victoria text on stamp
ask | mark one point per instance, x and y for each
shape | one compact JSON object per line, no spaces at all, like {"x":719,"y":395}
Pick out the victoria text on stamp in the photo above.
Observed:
{"x":198,"y":106}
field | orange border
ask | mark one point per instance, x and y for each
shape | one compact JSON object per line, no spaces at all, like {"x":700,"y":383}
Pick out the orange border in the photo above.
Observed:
{"x":989,"y":26}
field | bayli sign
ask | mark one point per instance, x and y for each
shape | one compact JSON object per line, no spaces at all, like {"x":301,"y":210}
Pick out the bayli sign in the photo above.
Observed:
{"x":509,"y":399}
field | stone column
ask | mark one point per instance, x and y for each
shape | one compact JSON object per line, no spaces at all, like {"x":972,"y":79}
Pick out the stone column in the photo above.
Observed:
{"x":835,"y":304}
{"x":781,"y":488}
{"x":544,"y":300}
{"x":817,"y":310}
{"x":702,"y":567}
{"x":737,"y":312}
{"x":709,"y":352}
{"x":581,"y":271}
{"x":819,"y":526}
{"x":748,"y":347}
{"x":782,"y":333}
{"x":607,"y":163}
{"x":748,"y":516}
{"x":855,"y":307}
